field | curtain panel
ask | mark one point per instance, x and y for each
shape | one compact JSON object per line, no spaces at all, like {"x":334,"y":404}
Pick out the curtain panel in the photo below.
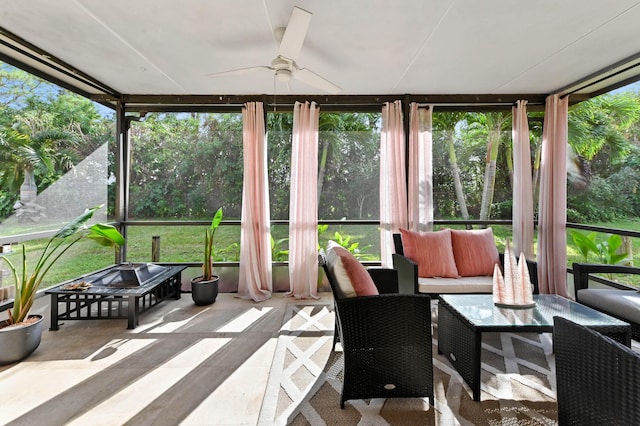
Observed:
{"x":393,"y":187}
{"x":255,"y":280}
{"x":303,"y":205}
{"x":420,"y":187}
{"x":522,"y":214}
{"x":552,"y":237}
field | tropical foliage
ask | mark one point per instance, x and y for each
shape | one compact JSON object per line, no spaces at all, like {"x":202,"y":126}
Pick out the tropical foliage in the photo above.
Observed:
{"x":607,"y":251}
{"x":185,"y":165}
{"x":44,"y":131}
{"x":27,"y":283}
{"x":207,"y":264}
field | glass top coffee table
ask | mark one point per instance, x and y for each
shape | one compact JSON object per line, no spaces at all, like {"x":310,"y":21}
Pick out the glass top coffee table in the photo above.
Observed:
{"x":462,"y":318}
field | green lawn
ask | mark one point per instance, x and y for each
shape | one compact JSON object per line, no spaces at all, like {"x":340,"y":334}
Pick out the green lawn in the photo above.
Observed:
{"x":185,"y":244}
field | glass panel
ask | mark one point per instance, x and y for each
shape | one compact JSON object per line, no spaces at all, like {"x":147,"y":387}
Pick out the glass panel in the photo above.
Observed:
{"x":83,"y":257}
{"x":361,"y":240}
{"x":184,"y":166}
{"x":349,"y":168}
{"x":55,"y":163}
{"x":603,"y":179}
{"x":279,"y":159}
{"x":55,"y":154}
{"x":473,"y":167}
{"x":348,"y":179}
{"x":279,"y":243}
{"x":348,"y":165}
{"x":182,"y":243}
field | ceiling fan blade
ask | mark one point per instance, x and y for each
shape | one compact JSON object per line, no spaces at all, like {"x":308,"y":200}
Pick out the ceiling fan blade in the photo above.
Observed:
{"x":240,"y":71}
{"x":295,"y":34}
{"x":313,"y":79}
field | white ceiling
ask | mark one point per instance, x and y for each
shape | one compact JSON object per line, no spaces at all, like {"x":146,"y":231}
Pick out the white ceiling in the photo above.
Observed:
{"x":366,"y":47}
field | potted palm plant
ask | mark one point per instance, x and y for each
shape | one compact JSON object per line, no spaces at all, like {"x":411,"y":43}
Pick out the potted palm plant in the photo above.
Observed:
{"x":20,"y":334}
{"x":204,"y":289}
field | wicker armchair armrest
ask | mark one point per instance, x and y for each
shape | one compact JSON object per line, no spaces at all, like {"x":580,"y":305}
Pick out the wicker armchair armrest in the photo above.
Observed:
{"x":407,"y":274}
{"x":581,"y":273}
{"x":385,"y":279}
{"x":598,"y":379}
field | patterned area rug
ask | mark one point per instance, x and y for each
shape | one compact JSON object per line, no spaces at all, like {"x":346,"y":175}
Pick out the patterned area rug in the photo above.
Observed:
{"x":518,"y":381}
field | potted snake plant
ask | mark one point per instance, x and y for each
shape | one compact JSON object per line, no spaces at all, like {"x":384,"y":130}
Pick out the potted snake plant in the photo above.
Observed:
{"x":20,"y":333}
{"x":204,"y":289}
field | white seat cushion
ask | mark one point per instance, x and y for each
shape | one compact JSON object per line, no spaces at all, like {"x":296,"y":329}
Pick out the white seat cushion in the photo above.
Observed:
{"x":623,"y":303}
{"x":456,"y":285}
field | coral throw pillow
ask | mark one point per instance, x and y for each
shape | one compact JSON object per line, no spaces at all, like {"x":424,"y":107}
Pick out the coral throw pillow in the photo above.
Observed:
{"x":432,"y":251}
{"x":475,"y":251}
{"x":351,"y":276}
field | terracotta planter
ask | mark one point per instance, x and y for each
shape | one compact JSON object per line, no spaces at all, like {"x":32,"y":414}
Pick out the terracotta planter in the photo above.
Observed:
{"x":18,"y":342}
{"x":204,"y":292}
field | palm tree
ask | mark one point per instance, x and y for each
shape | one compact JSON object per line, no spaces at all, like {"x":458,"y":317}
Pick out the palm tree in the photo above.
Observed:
{"x":601,"y":125}
{"x":492,"y":124}
{"x":446,"y":124}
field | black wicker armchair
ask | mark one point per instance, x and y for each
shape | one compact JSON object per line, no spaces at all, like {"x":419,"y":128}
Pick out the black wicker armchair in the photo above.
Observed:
{"x":610,"y":297}
{"x":386,"y":341}
{"x":598,"y":379}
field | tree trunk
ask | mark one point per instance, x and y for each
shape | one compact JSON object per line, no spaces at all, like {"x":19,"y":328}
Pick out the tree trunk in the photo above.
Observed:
{"x":509,"y":159}
{"x":536,"y":174}
{"x":455,"y":172}
{"x":627,"y":247}
{"x":361,"y":205}
{"x":322,"y":167}
{"x":489,"y":175}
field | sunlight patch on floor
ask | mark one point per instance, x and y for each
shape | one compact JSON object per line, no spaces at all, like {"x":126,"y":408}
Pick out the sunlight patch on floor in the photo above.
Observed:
{"x":235,"y":400}
{"x":244,"y":321}
{"x":55,"y":377}
{"x":134,"y":398}
{"x":163,"y":325}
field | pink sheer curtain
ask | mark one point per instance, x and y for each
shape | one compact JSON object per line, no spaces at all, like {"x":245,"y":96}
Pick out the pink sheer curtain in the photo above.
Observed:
{"x":522,"y":183}
{"x":552,"y":237}
{"x":303,"y":206}
{"x":420,"y":190}
{"x":255,"y":281}
{"x":393,"y":187}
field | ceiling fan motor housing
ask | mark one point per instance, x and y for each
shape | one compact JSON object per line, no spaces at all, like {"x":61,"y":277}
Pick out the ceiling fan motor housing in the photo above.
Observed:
{"x":282,"y":67}
{"x":283,"y":75}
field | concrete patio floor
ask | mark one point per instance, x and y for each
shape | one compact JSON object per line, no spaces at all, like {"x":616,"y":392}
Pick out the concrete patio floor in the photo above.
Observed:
{"x":184,"y":364}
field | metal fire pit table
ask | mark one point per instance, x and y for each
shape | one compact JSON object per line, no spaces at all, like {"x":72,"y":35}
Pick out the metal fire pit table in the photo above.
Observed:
{"x":118,"y":292}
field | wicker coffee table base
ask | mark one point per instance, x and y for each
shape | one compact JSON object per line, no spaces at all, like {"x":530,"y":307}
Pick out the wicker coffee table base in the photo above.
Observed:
{"x":460,"y":340}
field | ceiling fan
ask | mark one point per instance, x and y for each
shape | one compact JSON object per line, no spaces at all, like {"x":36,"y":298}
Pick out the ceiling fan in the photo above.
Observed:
{"x":284,"y":64}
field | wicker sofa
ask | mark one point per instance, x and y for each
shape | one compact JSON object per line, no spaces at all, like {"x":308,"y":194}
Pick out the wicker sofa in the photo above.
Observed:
{"x":410,"y":281}
{"x":614,"y":299}
{"x":385,"y":338}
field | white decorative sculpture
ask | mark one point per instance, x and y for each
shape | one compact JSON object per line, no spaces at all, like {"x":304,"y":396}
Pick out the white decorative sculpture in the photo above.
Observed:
{"x":515,"y":288}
